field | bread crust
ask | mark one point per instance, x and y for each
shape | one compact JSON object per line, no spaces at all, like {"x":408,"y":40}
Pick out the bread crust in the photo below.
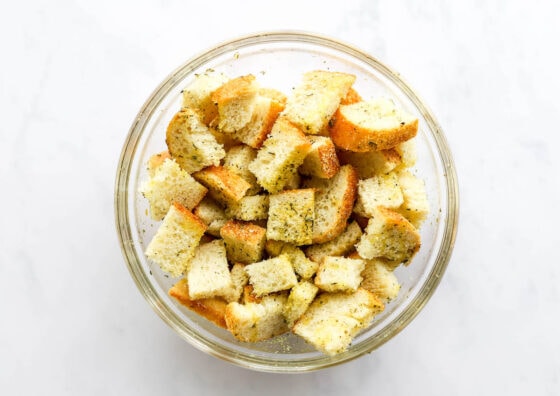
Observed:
{"x":212,"y":309}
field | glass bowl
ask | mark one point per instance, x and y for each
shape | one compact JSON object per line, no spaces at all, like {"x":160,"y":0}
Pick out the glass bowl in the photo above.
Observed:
{"x":278,"y":60}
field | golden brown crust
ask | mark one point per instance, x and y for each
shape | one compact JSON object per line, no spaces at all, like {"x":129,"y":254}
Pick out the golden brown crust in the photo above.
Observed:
{"x":224,"y":185}
{"x":351,"y":97}
{"x":190,"y":217}
{"x":156,"y":160}
{"x":349,"y":135}
{"x":212,"y":309}
{"x":234,"y":88}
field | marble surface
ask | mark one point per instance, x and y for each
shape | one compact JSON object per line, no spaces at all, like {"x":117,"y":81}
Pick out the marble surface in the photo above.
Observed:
{"x":74,"y":74}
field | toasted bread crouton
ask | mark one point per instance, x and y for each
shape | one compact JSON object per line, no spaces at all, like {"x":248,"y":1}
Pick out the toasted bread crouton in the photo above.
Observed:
{"x":213,"y":309}
{"x":281,"y":154}
{"x":339,"y":274}
{"x":244,"y":241}
{"x":372,"y":125}
{"x":250,"y":208}
{"x":407,"y":152}
{"x":272,"y":275}
{"x":223,"y":185}
{"x":190,"y":142}
{"x":171,"y":184}
{"x":322,"y":160}
{"x":334,"y":200}
{"x":155,"y":161}
{"x":338,"y":246}
{"x":197,"y":94}
{"x":379,"y":190}
{"x":290,"y":216}
{"x":351,"y":97}
{"x":208,"y":271}
{"x":333,"y":319}
{"x":371,"y":163}
{"x":302,"y":265}
{"x":415,"y":206}
{"x":380,"y":280}
{"x":300,"y":298}
{"x":239,"y":279}
{"x":176,"y":239}
{"x":389,"y":235}
{"x":253,"y":322}
{"x":315,"y":100}
{"x":265,"y":113}
{"x":237,"y":160}
{"x":235,"y":100}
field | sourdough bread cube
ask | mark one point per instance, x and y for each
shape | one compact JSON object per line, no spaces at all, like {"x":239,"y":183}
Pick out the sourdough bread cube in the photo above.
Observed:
{"x":254,"y":322}
{"x":300,"y":298}
{"x":171,"y":184}
{"x":239,"y":279}
{"x":224,"y":186}
{"x":237,"y":160}
{"x":265,"y":113}
{"x":244,"y":241}
{"x":380,"y":280}
{"x":316,"y":98}
{"x":208,"y":272}
{"x":338,"y":246}
{"x":174,"y":244}
{"x":334,"y":200}
{"x":191,"y":143}
{"x":321,"y":161}
{"x":250,"y":208}
{"x":304,"y":267}
{"x":155,"y":161}
{"x":197,"y":94}
{"x":372,"y":163}
{"x":389,"y":235}
{"x":372,"y":125}
{"x":290,"y":216}
{"x":272,"y":275}
{"x":212,"y":309}
{"x":280,"y":156}
{"x":333,"y":319}
{"x":235,"y":100}
{"x":379,"y":190}
{"x":339,"y":274}
{"x":415,"y":206}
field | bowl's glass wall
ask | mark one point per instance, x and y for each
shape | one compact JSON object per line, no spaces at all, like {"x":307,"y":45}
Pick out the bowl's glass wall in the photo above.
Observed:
{"x":278,"y":60}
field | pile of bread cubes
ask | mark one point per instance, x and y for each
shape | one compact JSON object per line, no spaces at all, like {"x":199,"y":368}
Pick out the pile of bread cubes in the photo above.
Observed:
{"x":286,"y":213}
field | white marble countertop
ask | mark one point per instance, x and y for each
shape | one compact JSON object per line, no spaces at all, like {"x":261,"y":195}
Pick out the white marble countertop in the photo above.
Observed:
{"x":74,"y":74}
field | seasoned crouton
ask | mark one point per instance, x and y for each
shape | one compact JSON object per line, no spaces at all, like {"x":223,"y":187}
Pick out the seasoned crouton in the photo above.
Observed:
{"x":213,"y":309}
{"x":208,"y":272}
{"x":235,"y":100}
{"x":224,"y":186}
{"x":278,"y":159}
{"x":299,"y":300}
{"x":197,"y":94}
{"x":379,"y":190}
{"x":302,"y":265}
{"x":239,"y":279}
{"x":272,"y":275}
{"x":237,"y":160}
{"x":244,"y":241}
{"x":415,"y":206}
{"x":290,"y":216}
{"x":190,"y":142}
{"x":339,"y":274}
{"x":254,"y":322}
{"x":380,"y":280}
{"x":371,"y":163}
{"x":321,"y":161}
{"x":176,"y":239}
{"x":351,"y":97}
{"x":315,"y":100}
{"x":389,"y":235}
{"x":334,"y":200}
{"x":155,"y":161}
{"x":372,"y":125}
{"x":250,"y":208}
{"x":171,"y":184}
{"x":338,"y":246}
{"x":333,"y":319}
{"x":265,"y":113}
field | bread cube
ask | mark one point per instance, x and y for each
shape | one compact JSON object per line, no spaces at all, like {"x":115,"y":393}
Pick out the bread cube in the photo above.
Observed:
{"x":237,"y":160}
{"x":415,"y":206}
{"x":371,"y":163}
{"x":272,"y":275}
{"x":265,"y":113}
{"x":235,"y":100}
{"x":339,"y":274}
{"x":250,"y":208}
{"x":300,"y":298}
{"x":302,"y":265}
{"x":321,"y":161}
{"x":380,"y":280}
{"x":239,"y":279}
{"x":208,"y":272}
{"x":244,"y":241}
{"x":379,"y":190}
{"x":175,"y":242}
{"x":290,"y":216}
{"x":338,"y":246}
{"x":223,"y":185}
{"x":197,"y":94}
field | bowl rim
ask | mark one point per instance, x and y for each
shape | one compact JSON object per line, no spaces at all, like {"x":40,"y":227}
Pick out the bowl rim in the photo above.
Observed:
{"x":121,"y":206}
